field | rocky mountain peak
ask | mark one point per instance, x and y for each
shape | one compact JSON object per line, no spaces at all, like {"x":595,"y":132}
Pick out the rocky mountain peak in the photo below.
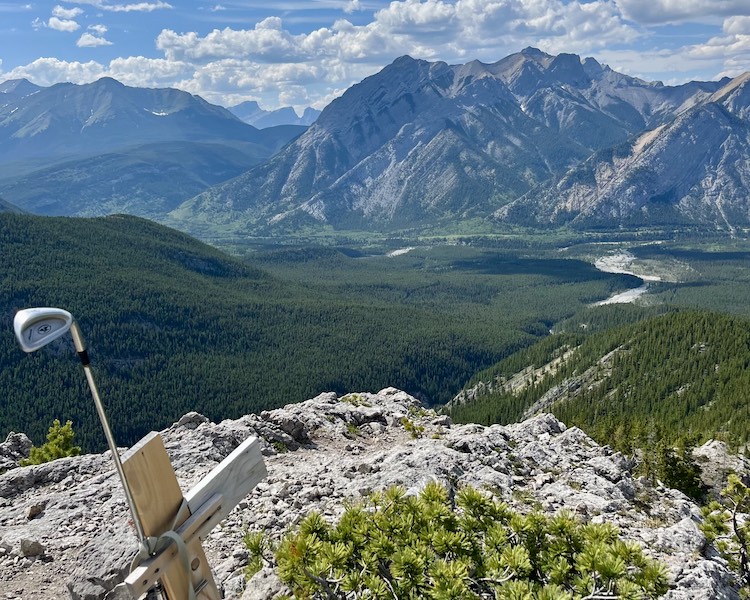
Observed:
{"x":567,"y":69}
{"x":63,"y":525}
{"x":18,"y":88}
{"x":735,"y":96}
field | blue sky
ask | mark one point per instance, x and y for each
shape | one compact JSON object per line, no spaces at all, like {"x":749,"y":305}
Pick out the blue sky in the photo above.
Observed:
{"x":306,"y":52}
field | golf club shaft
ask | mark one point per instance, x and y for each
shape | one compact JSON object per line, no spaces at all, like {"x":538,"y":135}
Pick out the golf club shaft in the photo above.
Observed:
{"x":81,"y":349}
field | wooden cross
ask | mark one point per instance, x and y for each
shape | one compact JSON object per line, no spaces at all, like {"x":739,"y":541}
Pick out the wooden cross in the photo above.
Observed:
{"x":161,"y":507}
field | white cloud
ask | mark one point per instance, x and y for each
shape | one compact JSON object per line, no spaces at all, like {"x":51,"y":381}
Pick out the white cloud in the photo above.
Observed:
{"x":267,"y":42}
{"x":49,"y":71}
{"x":13,"y":7}
{"x":671,"y":11}
{"x":135,"y":7}
{"x":139,"y":71}
{"x":353,"y":6}
{"x":66,"y":13}
{"x":139,"y":7}
{"x":88,"y":40}
{"x":737,"y":25}
{"x":62,"y":24}
{"x":98,"y":29}
{"x":218,"y":8}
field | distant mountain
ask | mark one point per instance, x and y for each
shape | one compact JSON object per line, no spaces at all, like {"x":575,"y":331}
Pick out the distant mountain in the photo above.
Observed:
{"x":8,"y":207}
{"x":422,"y":144}
{"x":67,"y":119}
{"x":14,"y":89}
{"x":250,"y":112}
{"x":147,"y":181}
{"x":105,"y":147}
{"x":694,"y":169}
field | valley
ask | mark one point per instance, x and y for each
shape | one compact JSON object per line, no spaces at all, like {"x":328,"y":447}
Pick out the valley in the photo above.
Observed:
{"x":433,"y":224}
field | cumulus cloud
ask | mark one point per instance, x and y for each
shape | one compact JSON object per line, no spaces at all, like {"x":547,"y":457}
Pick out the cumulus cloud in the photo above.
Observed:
{"x":66,"y":13}
{"x":49,"y":71}
{"x":62,"y":24}
{"x":484,"y":29}
{"x":139,"y":71}
{"x":268,"y":41}
{"x":353,"y":6}
{"x":671,"y":11}
{"x":89,"y":40}
{"x":737,"y":25}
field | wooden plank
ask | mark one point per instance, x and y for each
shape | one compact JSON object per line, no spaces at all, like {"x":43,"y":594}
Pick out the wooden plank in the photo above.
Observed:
{"x":145,"y":575}
{"x":157,"y":498}
{"x":233,"y":478}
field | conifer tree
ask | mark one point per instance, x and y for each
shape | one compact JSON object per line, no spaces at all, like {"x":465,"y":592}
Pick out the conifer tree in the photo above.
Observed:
{"x":59,"y":445}
{"x":396,"y":546}
{"x":727,"y":524}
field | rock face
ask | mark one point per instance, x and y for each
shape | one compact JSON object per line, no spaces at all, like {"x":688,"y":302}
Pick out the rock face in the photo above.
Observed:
{"x":64,"y":525}
{"x":15,"y":448}
{"x":421,"y":143}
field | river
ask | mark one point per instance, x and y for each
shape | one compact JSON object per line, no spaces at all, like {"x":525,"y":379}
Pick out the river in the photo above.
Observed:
{"x":620,"y":263}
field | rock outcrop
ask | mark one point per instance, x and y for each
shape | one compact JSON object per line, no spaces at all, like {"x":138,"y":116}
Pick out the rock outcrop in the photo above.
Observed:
{"x":64,"y":525}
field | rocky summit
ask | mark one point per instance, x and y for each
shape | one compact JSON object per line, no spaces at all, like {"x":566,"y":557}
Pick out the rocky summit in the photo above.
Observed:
{"x":64,"y":528}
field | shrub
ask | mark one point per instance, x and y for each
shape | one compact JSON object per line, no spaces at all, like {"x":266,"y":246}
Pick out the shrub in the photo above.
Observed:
{"x":396,"y":546}
{"x":724,"y":525}
{"x":59,"y":445}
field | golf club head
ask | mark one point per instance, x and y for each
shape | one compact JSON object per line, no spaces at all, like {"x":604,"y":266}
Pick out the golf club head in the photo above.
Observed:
{"x":37,"y":327}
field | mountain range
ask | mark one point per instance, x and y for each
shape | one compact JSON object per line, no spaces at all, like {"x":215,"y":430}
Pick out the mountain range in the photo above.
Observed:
{"x":105,"y":147}
{"x":426,"y":143}
{"x":252,"y":113}
{"x":532,"y":139}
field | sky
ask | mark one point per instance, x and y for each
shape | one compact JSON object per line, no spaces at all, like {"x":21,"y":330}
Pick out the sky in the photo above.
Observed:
{"x":307,"y":52}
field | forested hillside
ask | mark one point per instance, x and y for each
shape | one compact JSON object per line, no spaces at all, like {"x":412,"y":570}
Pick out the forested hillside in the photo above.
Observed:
{"x":174,"y":325}
{"x":675,"y":377}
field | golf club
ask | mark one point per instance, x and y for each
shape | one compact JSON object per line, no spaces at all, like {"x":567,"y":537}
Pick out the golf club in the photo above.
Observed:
{"x":37,"y":327}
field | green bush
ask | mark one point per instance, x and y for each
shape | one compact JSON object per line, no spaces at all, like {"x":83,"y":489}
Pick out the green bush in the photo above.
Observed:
{"x":724,"y":526}
{"x":396,"y":546}
{"x":59,"y":445}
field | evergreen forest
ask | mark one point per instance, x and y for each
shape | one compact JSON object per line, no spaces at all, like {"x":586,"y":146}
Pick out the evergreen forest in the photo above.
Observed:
{"x":680,"y":377}
{"x":174,"y":325}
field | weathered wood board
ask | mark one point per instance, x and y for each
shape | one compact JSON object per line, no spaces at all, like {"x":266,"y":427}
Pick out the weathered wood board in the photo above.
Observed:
{"x":157,"y":497}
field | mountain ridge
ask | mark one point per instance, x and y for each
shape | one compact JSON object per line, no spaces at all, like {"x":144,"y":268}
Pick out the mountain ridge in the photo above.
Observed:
{"x":251,"y":112}
{"x":90,"y":149}
{"x":691,"y":170}
{"x":423,"y":143}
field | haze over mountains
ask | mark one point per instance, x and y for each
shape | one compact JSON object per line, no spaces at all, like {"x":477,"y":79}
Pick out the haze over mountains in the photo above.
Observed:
{"x":532,"y":139}
{"x":252,"y":113}
{"x":105,"y":147}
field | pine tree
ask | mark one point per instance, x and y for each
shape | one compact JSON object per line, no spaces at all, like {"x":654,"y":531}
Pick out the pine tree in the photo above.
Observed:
{"x":59,"y":445}
{"x":727,"y":524}
{"x":396,"y":546}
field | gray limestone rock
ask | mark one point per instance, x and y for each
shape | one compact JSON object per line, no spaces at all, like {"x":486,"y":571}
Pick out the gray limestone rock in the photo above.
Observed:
{"x":322,"y":454}
{"x":15,"y":448}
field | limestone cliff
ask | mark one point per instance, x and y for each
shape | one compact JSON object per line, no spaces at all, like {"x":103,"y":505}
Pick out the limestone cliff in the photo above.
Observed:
{"x":64,"y":525}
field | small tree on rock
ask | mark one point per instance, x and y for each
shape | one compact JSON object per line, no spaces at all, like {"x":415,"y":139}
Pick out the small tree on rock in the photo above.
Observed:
{"x":59,"y":445}
{"x":727,"y":524}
